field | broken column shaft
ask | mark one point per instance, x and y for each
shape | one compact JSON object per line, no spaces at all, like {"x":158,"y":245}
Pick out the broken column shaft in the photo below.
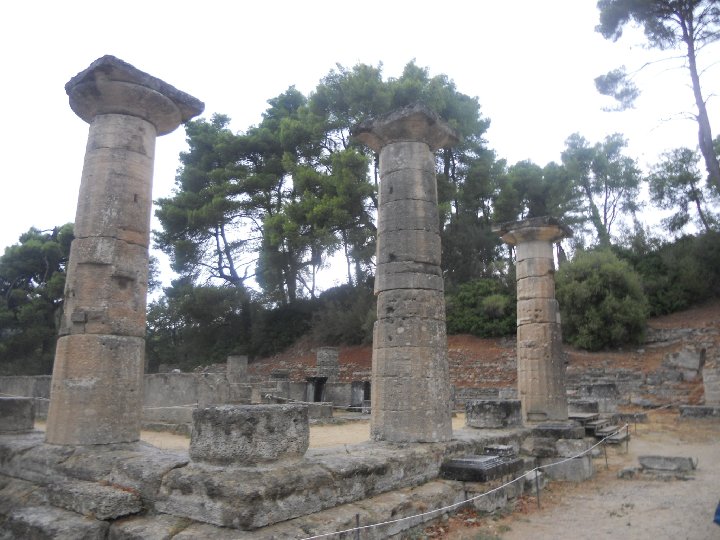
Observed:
{"x":410,"y":383}
{"x":96,"y":392}
{"x":540,"y":363}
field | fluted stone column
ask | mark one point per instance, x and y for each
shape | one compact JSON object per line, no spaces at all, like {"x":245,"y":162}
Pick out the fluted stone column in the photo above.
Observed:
{"x":96,"y":392}
{"x":540,"y":364}
{"x":410,"y":383}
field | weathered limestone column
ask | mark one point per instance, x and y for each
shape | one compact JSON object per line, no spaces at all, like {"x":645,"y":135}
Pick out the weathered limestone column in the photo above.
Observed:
{"x":96,"y":393}
{"x":541,"y":368}
{"x":410,"y":383}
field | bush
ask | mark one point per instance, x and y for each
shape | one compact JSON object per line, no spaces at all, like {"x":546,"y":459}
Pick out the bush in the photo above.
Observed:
{"x":483,"y":308}
{"x":602,"y":302}
{"x":345,"y":315}
{"x":677,"y":275}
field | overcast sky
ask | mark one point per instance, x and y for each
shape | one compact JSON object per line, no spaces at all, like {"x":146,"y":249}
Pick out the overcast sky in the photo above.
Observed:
{"x":530,"y":63}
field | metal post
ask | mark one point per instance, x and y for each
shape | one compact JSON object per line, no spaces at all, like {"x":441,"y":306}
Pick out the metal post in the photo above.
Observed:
{"x":537,"y":486}
{"x":357,"y":526}
{"x":605,"y":451}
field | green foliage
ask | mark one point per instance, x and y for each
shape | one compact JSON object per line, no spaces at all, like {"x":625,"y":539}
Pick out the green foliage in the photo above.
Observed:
{"x":608,"y":180}
{"x":483,"y":308}
{"x":676,"y":275}
{"x":676,"y":184}
{"x":32,"y":279}
{"x":601,"y":301}
{"x":345,"y":315}
{"x":196,"y":325}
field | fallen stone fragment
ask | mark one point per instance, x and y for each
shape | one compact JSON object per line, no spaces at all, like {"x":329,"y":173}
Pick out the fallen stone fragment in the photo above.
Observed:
{"x":667,"y":463}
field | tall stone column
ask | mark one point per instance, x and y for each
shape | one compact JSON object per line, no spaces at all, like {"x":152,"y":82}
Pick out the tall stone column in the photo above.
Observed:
{"x":540,"y":363}
{"x":410,"y":383}
{"x":96,"y":392}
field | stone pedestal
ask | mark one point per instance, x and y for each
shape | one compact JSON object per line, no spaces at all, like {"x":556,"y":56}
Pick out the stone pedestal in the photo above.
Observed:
{"x":328,"y":364}
{"x":411,"y":390}
{"x":96,"y":392}
{"x":541,"y":368}
{"x":249,"y":434}
{"x":237,"y":368}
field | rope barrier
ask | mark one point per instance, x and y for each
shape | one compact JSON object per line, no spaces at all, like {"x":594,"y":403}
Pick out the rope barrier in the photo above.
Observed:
{"x":466,"y":501}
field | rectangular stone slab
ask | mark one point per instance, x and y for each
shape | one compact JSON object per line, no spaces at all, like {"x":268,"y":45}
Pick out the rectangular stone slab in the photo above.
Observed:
{"x":480,"y":468}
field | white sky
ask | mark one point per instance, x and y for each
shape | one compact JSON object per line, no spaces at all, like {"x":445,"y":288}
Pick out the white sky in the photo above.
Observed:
{"x":531,"y":63}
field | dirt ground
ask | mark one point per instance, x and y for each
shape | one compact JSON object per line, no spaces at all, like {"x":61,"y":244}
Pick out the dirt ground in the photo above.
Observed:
{"x":609,"y":507}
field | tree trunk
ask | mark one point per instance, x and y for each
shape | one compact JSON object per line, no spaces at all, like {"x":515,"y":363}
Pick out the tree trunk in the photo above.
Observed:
{"x":705,"y":139}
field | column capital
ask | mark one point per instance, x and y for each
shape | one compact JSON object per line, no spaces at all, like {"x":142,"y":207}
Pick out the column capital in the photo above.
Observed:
{"x":545,"y":228}
{"x":112,"y":86}
{"x":415,"y":123}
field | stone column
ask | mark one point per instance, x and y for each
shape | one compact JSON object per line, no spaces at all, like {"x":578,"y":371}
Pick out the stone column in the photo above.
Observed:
{"x":540,"y":363}
{"x":328,"y":364}
{"x":410,"y":383}
{"x":96,"y":393}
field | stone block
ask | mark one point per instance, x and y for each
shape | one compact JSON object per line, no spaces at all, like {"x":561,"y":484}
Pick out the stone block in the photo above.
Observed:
{"x":155,"y":527}
{"x":539,"y":447}
{"x":667,"y":463}
{"x":47,"y":522}
{"x":583,"y":406}
{"x":685,"y":359}
{"x":249,"y":434}
{"x":401,"y":331}
{"x":106,"y":288}
{"x":96,"y":394}
{"x":490,"y":502}
{"x":534,"y":249}
{"x":420,"y":303}
{"x":559,"y":430}
{"x":318,"y":410}
{"x":17,"y":414}
{"x":537,"y":310}
{"x":534,"y":268}
{"x":711,"y":384}
{"x":493,"y":413}
{"x":389,"y":280}
{"x":418,"y":246}
{"x":534,"y":480}
{"x":480,"y":468}
{"x":699,"y":411}
{"x":535,"y":287}
{"x":168,"y":415}
{"x":572,"y":470}
{"x":237,"y":368}
{"x":94,"y":500}
{"x":567,"y":448}
{"x":408,"y":214}
{"x":401,"y":157}
{"x":408,"y":184}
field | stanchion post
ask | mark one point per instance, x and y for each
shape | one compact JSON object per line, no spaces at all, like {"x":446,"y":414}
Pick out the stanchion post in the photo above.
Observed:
{"x":537,"y":486}
{"x":357,"y":526}
{"x":605,"y":452}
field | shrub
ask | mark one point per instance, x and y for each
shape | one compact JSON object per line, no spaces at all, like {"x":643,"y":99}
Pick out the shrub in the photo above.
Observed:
{"x":602,"y":302}
{"x":483,"y":308}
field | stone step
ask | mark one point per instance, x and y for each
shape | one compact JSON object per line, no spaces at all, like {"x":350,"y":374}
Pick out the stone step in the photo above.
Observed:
{"x":50,"y":522}
{"x":583,"y":417}
{"x":94,"y":499}
{"x":618,"y":438}
{"x":592,"y":427}
{"x":607,"y":430}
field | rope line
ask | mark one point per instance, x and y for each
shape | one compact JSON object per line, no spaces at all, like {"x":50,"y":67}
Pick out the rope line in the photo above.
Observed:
{"x":471,"y":499}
